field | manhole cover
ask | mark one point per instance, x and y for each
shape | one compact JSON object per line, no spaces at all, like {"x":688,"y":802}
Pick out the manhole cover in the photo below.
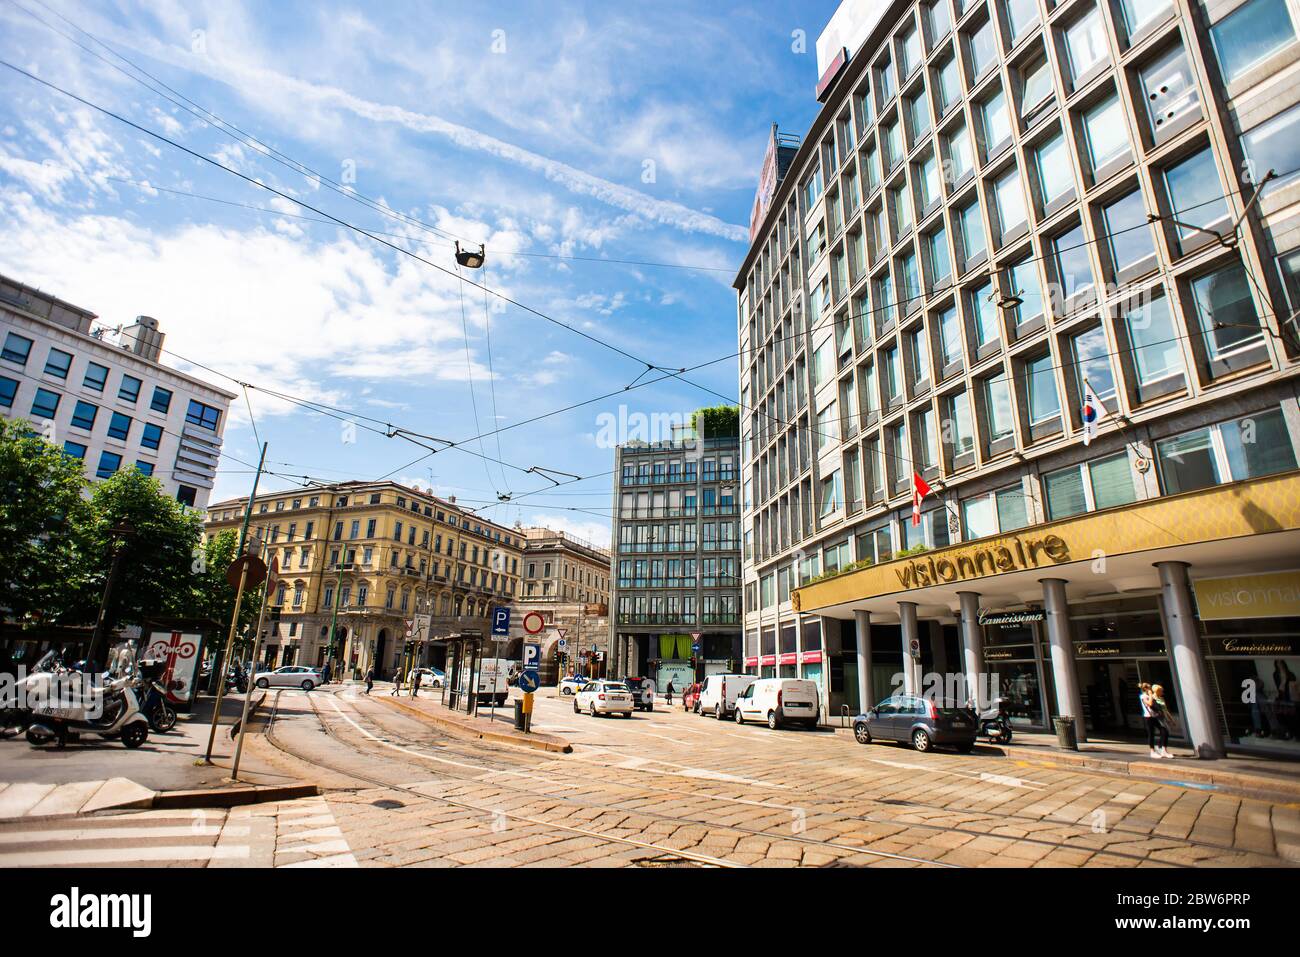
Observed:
{"x":666,"y":860}
{"x":387,"y":804}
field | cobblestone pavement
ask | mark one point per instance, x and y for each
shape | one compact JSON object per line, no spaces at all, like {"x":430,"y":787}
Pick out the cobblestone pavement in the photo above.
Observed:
{"x":675,"y":789}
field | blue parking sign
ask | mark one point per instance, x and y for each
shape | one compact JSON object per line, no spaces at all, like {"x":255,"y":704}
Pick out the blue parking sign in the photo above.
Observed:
{"x":501,"y":621}
{"x":529,"y":682}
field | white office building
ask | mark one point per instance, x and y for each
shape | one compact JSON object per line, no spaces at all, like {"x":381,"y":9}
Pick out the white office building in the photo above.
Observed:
{"x":111,"y":404}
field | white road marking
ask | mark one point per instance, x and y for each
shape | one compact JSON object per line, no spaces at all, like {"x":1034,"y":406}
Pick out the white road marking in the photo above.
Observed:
{"x":117,"y":833}
{"x":84,"y":856}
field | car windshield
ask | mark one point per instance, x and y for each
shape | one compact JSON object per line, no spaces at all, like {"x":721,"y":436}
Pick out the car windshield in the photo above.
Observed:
{"x":616,"y":687}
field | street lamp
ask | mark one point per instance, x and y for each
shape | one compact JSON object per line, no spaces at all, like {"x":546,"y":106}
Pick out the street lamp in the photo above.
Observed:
{"x":469,"y":258}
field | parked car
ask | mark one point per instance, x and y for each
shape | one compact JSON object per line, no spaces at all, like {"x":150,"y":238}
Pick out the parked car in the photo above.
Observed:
{"x":572,"y":684}
{"x":290,"y":676}
{"x":430,"y":677}
{"x":643,"y":692}
{"x":718,"y":694}
{"x":779,"y":701}
{"x":603,"y":697}
{"x":691,"y":698}
{"x":918,"y":721}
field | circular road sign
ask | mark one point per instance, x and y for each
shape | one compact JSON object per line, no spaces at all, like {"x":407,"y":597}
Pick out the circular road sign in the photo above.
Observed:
{"x":255,"y":575}
{"x":534,"y":622}
{"x":528,"y":681}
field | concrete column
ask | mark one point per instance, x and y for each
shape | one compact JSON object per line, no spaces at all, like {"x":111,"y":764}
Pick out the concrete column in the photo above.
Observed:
{"x":1069,"y":701}
{"x":907,"y":618}
{"x":862,"y":624}
{"x":1195,"y":694}
{"x":972,"y":641}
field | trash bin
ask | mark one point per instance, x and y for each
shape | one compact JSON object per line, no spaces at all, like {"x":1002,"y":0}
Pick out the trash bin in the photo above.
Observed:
{"x":521,"y":719}
{"x":1065,"y":734}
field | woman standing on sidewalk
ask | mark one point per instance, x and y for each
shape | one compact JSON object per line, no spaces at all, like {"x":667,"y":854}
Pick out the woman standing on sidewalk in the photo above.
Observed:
{"x":1151,"y":718}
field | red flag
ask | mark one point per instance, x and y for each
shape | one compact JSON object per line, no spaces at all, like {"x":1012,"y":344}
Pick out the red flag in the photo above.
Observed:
{"x":920,"y":489}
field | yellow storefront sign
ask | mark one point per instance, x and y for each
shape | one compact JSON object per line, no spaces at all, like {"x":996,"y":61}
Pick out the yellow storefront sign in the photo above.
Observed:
{"x":1272,"y":595}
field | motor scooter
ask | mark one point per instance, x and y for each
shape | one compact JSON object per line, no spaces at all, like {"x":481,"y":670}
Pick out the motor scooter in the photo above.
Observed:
{"x":153,"y":696}
{"x":995,"y":723}
{"x":116,"y":711}
{"x":15,"y":709}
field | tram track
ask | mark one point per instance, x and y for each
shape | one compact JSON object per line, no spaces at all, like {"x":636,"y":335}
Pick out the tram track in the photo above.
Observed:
{"x":411,"y":757}
{"x":812,"y":811}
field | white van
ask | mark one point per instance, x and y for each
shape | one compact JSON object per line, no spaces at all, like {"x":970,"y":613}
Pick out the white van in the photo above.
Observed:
{"x":494,"y":680}
{"x":779,"y":701}
{"x":718,"y":694}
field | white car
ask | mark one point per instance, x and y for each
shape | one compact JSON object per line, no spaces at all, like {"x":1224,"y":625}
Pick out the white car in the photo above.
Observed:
{"x":719,"y":692}
{"x":572,"y":684}
{"x":290,"y":676}
{"x":429,"y":677}
{"x":780,"y":701}
{"x":603,"y":697}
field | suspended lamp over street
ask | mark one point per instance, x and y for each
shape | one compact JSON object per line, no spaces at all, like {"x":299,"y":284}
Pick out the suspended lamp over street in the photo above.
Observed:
{"x":469,"y":258}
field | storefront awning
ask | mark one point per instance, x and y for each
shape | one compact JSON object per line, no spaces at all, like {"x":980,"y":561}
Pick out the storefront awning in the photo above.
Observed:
{"x":1243,"y":527}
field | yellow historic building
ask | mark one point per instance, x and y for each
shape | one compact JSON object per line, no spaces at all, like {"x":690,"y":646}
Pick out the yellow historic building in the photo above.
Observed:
{"x":378,"y":563}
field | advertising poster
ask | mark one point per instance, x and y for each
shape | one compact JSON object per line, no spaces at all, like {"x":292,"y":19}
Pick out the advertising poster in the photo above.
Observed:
{"x":182,"y":653}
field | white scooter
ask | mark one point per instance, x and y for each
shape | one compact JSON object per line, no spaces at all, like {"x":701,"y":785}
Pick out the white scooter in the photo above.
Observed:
{"x":117,"y":711}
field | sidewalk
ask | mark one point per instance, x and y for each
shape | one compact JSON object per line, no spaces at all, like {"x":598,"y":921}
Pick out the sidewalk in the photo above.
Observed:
{"x":498,"y":728}
{"x":1254,"y":776}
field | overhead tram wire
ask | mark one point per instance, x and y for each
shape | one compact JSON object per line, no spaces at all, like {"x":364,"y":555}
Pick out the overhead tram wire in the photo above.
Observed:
{"x":492,"y":376}
{"x":678,"y":374}
{"x":469,"y":371}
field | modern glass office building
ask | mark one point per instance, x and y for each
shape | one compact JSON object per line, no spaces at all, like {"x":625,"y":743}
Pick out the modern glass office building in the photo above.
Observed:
{"x":1000,"y":205}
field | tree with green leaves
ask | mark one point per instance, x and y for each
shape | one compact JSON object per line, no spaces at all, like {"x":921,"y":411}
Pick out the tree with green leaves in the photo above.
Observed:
{"x":40,"y":504}
{"x":717,"y":421}
{"x":210,"y":595}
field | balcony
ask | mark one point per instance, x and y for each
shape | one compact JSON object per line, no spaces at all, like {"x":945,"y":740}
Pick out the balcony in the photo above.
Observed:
{"x":656,"y":619}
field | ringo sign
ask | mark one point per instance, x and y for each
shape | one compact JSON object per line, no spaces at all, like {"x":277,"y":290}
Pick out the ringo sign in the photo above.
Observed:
{"x":182,"y":654}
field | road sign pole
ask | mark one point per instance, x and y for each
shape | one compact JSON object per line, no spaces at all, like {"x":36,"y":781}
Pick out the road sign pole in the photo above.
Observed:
{"x":230,"y":642}
{"x":248,"y":695}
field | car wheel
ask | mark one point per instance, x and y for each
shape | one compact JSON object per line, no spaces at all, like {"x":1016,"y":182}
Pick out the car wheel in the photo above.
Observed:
{"x":576,"y":709}
{"x":720,"y":712}
{"x":134,"y":735}
{"x":566,"y":691}
{"x":263,"y":683}
{"x":740,"y":718}
{"x":308,"y":685}
{"x":593,"y":710}
{"x":966,"y":747}
{"x":772,"y":721}
{"x":862,"y":733}
{"x":921,"y":740}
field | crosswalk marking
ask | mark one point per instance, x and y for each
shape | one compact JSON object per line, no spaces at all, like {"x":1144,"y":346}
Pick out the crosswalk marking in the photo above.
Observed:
{"x":85,"y":856}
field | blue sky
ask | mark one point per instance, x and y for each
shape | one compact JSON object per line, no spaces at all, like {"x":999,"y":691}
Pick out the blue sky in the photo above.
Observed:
{"x":566,"y":131}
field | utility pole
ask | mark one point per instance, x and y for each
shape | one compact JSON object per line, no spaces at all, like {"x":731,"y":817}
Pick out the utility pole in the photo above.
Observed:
{"x":100,"y":635}
{"x":218,"y":678}
{"x":272,"y":573}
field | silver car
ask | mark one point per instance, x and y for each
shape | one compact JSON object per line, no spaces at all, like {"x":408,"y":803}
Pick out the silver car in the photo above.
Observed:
{"x":290,"y":676}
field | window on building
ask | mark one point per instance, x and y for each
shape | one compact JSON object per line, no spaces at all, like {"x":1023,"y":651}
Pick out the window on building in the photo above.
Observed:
{"x":939,"y":19}
{"x":1092,"y":363}
{"x":996,"y":120}
{"x":1274,"y":145}
{"x":961,"y":160}
{"x":1085,"y":44}
{"x":918,"y":108}
{"x":1139,"y":14}
{"x":918,"y":347}
{"x":960,"y":427}
{"x":1105,"y":133}
{"x":75,"y":449}
{"x":948,"y":86}
{"x":96,"y":377}
{"x":16,"y":349}
{"x":1128,"y":233}
{"x":46,"y":404}
{"x":1226,"y":312}
{"x":1169,"y":91}
{"x":1188,"y":461}
{"x":971,"y":220}
{"x":1040,"y":386}
{"x":1055,"y":171}
{"x":1195,"y":195}
{"x":202,"y":415}
{"x":8,"y":391}
{"x":161,"y":401}
{"x":58,"y":363}
{"x":129,"y":390}
{"x":109,"y":463}
{"x":950,"y":336}
{"x":1010,"y":196}
{"x":1157,"y":358}
{"x":832,"y":495}
{"x":997,"y":402}
{"x":1104,"y":483}
{"x":909,"y":52}
{"x":119,"y":426}
{"x":1000,"y":511}
{"x":1023,"y":284}
{"x":984,"y":309}
{"x":146,"y":468}
{"x":83,"y":415}
{"x":983,"y":49}
{"x":1250,"y":34}
{"x":1070,"y":258}
{"x":1036,"y":86}
{"x":1257,"y":445}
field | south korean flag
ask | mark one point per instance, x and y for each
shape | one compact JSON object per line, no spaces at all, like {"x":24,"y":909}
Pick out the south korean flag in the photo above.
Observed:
{"x":1091,"y":413}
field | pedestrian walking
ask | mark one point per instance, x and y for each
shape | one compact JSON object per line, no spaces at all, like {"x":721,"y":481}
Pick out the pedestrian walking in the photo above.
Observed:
{"x":415,"y":684}
{"x":397,"y":682}
{"x":1168,"y":723}
{"x":669,"y":691}
{"x":325,"y":674}
{"x":1156,"y":731}
{"x":370,"y":680}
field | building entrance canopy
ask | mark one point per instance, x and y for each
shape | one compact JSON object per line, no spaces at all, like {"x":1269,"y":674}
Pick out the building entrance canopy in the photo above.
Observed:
{"x":1225,"y":530}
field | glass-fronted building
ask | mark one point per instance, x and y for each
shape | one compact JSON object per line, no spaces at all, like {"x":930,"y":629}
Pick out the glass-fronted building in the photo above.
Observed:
{"x":1002,"y":205}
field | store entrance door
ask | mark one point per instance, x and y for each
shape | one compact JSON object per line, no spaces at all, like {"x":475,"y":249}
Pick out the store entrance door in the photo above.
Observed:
{"x":1111,"y":690}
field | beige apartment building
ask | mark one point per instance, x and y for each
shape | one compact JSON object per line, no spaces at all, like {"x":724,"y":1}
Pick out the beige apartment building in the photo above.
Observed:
{"x":1000,"y":204}
{"x":380,"y":564}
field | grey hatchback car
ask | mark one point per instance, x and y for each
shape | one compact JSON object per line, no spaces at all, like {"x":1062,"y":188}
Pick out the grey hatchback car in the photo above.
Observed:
{"x":917,"y":721}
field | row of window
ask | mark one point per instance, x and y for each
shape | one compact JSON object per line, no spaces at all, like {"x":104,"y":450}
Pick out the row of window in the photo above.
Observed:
{"x":376,"y":498}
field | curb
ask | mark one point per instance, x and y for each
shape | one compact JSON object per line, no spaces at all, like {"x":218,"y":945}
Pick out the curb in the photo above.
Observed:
{"x":554,"y":745}
{"x":232,"y":797}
